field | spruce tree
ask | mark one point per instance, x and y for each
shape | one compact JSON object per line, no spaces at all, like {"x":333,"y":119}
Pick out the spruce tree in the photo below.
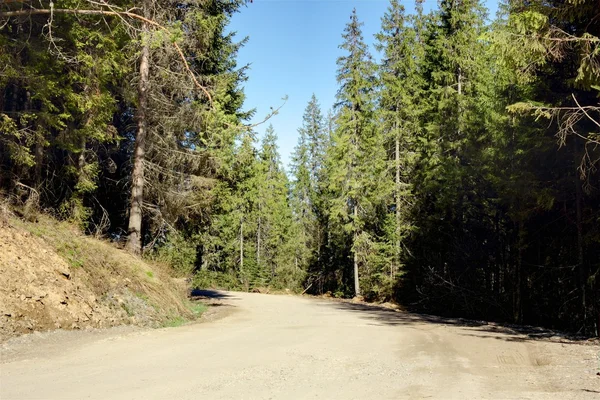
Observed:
{"x":274,"y":217}
{"x":401,"y":85}
{"x":356,"y":155}
{"x":308,"y":171}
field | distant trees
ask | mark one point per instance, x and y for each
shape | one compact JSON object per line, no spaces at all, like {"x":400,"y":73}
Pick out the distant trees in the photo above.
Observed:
{"x":308,"y":188}
{"x":249,"y":237}
{"x":401,"y":87}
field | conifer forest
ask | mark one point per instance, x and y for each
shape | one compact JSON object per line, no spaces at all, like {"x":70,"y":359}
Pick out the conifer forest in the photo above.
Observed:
{"x":457,"y":172}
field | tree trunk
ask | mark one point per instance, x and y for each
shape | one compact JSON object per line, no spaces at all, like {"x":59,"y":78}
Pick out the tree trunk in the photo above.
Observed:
{"x":458,"y":103}
{"x":39,"y":160}
{"x":134,"y":243}
{"x":272,"y":270}
{"x":355,"y":211}
{"x":79,"y":210}
{"x":81,"y":159}
{"x":356,"y":281}
{"x":258,"y":243}
{"x":39,"y":148}
{"x":580,"y":251}
{"x":398,"y":215}
{"x":242,"y":246}
{"x":517,"y":294}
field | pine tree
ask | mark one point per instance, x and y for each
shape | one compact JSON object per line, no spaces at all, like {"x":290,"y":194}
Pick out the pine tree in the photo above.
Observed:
{"x":186,"y":125}
{"x":308,"y":171}
{"x":401,"y":85}
{"x":356,"y":157}
{"x":274,"y":217}
{"x":302,"y":197}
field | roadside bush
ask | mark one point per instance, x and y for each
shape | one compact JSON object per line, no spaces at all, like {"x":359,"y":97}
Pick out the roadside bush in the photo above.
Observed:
{"x":177,"y":252}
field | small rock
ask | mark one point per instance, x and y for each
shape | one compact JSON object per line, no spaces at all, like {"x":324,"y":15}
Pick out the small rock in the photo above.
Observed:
{"x":65,"y":274}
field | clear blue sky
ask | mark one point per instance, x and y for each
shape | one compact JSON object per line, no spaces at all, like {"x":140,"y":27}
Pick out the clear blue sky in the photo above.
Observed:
{"x":292,"y":50}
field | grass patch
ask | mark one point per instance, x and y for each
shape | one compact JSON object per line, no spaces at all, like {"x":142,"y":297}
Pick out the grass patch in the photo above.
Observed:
{"x":71,"y":253}
{"x":174,"y":322}
{"x":142,"y":296}
{"x":150,"y":274}
{"x":128,"y":310}
{"x":198,"y":308}
{"x":37,"y":231}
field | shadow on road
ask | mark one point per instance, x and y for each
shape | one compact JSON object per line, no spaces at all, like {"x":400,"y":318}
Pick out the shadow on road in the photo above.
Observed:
{"x":516,"y":333}
{"x":209,"y":294}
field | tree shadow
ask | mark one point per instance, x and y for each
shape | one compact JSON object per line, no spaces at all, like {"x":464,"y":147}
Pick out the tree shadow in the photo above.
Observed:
{"x":509,"y":332}
{"x":209,"y":294}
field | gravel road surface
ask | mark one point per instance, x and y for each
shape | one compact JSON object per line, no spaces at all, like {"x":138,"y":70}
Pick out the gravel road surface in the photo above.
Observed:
{"x":287,"y":347}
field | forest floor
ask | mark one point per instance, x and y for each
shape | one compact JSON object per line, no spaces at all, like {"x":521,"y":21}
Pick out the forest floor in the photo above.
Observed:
{"x":291,"y":347}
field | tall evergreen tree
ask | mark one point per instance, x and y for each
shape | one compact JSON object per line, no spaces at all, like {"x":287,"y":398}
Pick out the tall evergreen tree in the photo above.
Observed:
{"x":274,"y":217}
{"x":356,"y":156}
{"x":401,"y":85}
{"x":308,"y":171}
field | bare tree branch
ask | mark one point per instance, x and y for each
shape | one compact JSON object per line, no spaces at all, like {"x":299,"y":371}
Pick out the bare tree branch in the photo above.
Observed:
{"x":584,"y":111}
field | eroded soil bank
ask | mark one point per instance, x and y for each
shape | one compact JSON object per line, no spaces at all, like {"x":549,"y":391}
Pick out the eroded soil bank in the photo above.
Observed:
{"x":53,"y":277}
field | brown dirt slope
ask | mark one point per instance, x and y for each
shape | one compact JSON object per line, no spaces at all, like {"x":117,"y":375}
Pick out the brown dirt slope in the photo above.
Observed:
{"x":54,"y":277}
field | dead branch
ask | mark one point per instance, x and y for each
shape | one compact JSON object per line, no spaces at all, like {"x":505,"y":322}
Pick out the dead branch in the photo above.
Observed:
{"x":305,"y":290}
{"x":584,"y":111}
{"x":269,"y":116}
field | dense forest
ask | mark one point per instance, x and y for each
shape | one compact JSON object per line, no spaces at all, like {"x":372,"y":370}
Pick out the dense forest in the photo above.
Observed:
{"x":457,"y":174}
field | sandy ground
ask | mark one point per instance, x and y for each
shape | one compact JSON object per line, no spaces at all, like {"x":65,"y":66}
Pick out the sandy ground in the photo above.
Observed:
{"x":285,"y":347}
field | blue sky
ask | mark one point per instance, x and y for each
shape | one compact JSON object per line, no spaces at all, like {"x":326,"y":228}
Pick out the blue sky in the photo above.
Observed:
{"x":292,"y":50}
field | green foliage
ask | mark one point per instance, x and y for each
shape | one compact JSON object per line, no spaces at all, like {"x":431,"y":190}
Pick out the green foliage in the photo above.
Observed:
{"x":248,"y":240}
{"x":198,"y":308}
{"x":174,"y":322}
{"x":356,"y":157}
{"x":213,"y":279}
{"x":178,"y":252}
{"x":72,"y":254}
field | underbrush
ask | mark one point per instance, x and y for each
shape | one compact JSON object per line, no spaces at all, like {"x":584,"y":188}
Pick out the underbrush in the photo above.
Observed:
{"x":282,"y":282}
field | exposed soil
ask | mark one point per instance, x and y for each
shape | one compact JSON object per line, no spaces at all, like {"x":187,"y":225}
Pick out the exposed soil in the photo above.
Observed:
{"x":55,"y":278}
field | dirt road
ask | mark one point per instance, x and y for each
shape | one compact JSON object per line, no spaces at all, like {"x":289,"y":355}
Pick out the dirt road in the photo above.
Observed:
{"x":284,"y":347}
